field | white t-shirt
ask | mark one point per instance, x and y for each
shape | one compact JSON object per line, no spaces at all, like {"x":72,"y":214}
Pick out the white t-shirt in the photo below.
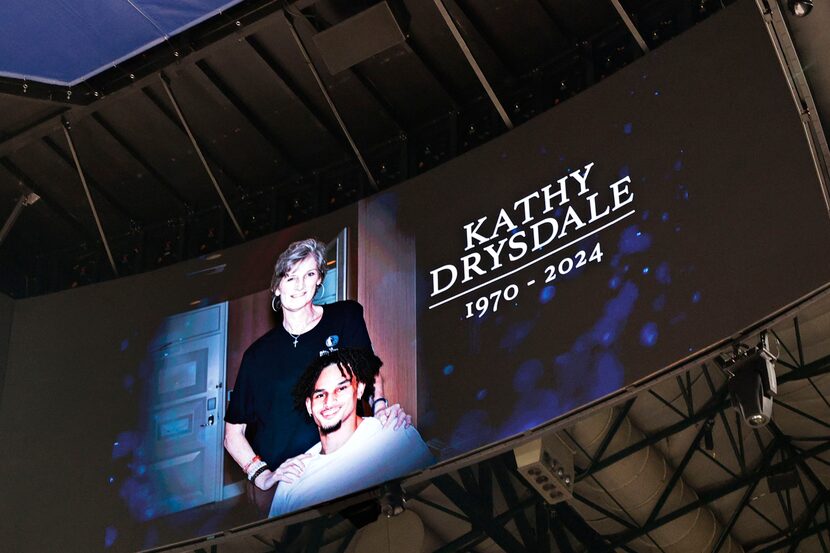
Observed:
{"x":371,"y":456}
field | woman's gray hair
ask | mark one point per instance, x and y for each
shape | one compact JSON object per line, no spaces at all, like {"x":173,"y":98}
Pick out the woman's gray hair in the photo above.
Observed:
{"x":295,"y":253}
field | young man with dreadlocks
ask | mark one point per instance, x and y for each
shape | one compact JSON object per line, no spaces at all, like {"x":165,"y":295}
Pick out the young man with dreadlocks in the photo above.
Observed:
{"x":354,"y":452}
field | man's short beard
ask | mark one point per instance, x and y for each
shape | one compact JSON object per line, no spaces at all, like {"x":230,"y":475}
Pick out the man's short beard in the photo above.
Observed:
{"x":333,"y":428}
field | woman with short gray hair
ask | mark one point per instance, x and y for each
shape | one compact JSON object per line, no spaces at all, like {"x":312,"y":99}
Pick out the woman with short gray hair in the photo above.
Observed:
{"x":270,"y":367}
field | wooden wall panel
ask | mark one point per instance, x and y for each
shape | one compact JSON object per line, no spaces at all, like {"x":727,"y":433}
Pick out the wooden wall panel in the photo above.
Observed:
{"x":386,"y":288}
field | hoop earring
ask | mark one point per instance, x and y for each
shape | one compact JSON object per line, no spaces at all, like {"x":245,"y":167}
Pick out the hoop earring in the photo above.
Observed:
{"x":322,"y":287}
{"x":275,"y":303}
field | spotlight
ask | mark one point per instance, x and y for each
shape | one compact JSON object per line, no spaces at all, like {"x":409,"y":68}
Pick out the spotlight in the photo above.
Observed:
{"x":752,"y":383}
{"x":800,"y":8}
{"x":547,"y":464}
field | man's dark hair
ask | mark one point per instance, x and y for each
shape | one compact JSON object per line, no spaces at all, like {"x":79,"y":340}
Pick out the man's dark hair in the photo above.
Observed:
{"x":360,"y":363}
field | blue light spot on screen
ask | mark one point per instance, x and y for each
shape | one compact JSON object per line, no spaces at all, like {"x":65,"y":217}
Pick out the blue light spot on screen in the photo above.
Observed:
{"x":610,"y":374}
{"x":607,"y":338}
{"x":558,"y":212}
{"x":648,"y":335}
{"x":125,"y":343}
{"x":627,"y":128}
{"x":124,"y":444}
{"x":448,"y":370}
{"x":685,"y":194}
{"x":516,"y":334}
{"x":663,"y":273}
{"x":473,"y":429}
{"x":481,"y":394}
{"x":696,"y":297}
{"x":659,"y":302}
{"x":625,"y":269}
{"x":110,"y":535}
{"x":645,"y":270}
{"x":547,"y":294}
{"x":614,"y":283}
{"x":128,"y":382}
{"x":677,"y":228}
{"x":624,"y":171}
{"x":633,"y":240}
{"x":657,"y":93}
{"x":678,"y":165}
{"x":664,"y":217}
{"x":111,"y":480}
{"x":645,"y":215}
{"x":527,"y":376}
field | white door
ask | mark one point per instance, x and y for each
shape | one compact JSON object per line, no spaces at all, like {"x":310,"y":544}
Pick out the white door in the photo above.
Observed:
{"x":182,"y":447}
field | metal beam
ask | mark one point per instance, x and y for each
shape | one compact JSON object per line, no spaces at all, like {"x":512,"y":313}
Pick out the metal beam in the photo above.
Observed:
{"x":487,"y":38}
{"x":324,"y":91}
{"x":26,"y":199}
{"x":294,"y":89}
{"x":196,"y":147}
{"x":733,"y":518}
{"x":630,"y":25}
{"x":478,"y":534}
{"x":589,"y":537}
{"x":715,"y":404}
{"x":795,"y":538}
{"x":542,"y":528}
{"x":173,"y":118}
{"x":512,"y":498}
{"x":431,"y":68}
{"x":68,"y":160}
{"x":606,"y":440}
{"x":88,"y":195}
{"x":445,"y":15}
{"x":134,"y":153}
{"x":467,"y":504}
{"x":248,"y":114}
{"x":675,"y":477}
{"x":53,"y":205}
{"x":764,"y":469}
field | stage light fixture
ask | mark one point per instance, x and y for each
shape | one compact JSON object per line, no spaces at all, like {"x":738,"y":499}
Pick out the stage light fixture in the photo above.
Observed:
{"x":548,"y":465}
{"x":752,"y":383}
{"x":800,"y":8}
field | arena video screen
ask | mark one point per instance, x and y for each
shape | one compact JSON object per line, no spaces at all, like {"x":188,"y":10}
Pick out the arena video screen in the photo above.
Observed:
{"x":586,"y":250}
{"x":589,"y":248}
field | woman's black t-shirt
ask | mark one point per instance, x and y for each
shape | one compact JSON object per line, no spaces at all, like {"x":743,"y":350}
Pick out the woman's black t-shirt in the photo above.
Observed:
{"x":269,"y":370}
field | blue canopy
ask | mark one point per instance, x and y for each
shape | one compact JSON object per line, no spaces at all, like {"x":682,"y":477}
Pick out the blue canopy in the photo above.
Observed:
{"x":65,"y":42}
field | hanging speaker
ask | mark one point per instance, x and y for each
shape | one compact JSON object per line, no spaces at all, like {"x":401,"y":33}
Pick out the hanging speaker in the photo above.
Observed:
{"x":359,"y":38}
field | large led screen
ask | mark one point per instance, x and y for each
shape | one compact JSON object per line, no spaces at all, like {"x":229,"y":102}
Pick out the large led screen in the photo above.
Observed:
{"x":667,"y":208}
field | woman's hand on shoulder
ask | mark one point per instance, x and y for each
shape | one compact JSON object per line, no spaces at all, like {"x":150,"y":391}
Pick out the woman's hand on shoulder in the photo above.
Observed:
{"x":393,"y":416}
{"x":288,"y":472}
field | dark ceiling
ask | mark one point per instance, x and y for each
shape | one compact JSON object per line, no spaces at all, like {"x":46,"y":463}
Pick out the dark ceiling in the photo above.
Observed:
{"x":272,"y":142}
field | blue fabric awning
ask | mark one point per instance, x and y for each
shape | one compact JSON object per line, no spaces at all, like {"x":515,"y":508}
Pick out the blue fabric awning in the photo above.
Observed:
{"x":65,"y":42}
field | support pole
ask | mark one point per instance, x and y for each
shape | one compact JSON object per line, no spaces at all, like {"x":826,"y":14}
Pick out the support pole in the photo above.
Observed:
{"x":307,"y":58}
{"x":472,"y":61}
{"x":169,"y":91}
{"x":80,"y":170}
{"x":630,"y":25}
{"x":26,"y":199}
